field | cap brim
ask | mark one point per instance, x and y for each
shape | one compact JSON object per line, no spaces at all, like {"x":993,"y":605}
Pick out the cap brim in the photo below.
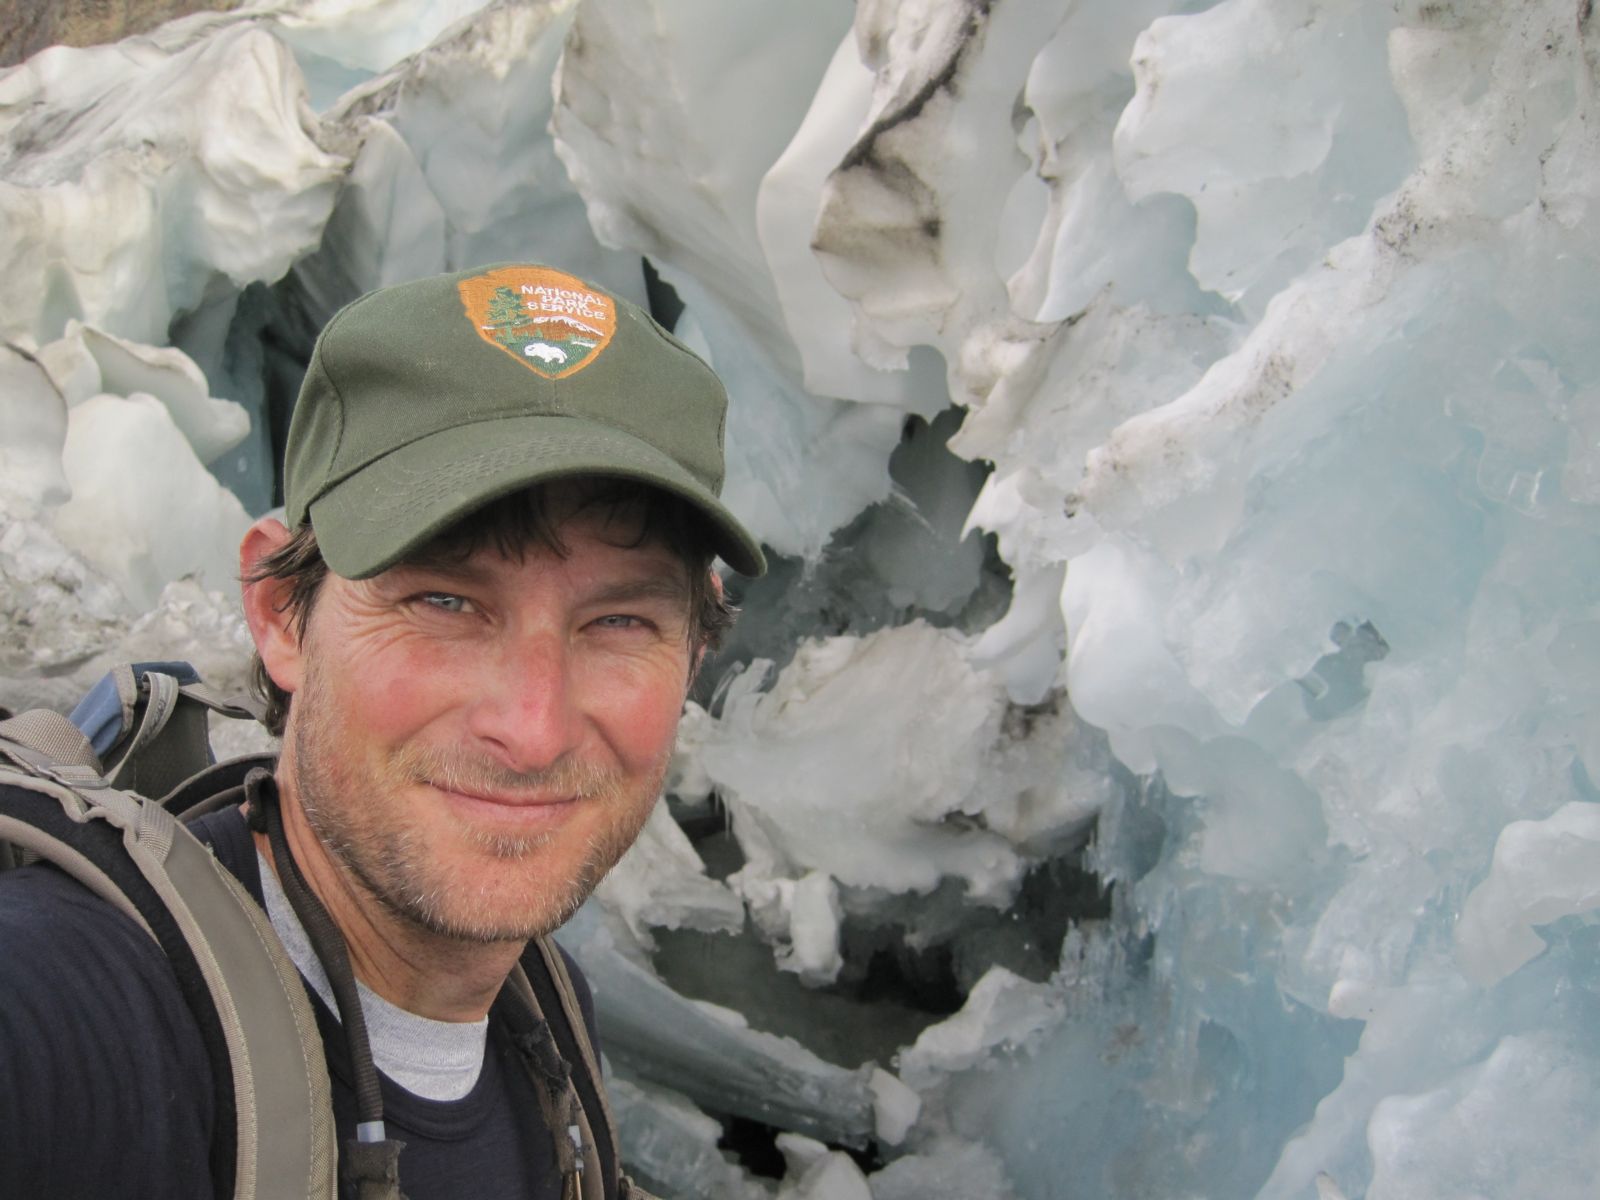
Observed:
{"x":372,"y":520}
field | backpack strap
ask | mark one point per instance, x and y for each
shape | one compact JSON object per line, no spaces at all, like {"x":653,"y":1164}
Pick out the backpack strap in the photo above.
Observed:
{"x":602,"y":1124}
{"x":246,"y":995}
{"x":599,"y":1126}
{"x":219,"y":786}
{"x":544,"y":984}
{"x":147,"y":724}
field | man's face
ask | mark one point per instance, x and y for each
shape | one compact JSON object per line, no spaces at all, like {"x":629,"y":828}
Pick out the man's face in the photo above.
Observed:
{"x":478,"y":743}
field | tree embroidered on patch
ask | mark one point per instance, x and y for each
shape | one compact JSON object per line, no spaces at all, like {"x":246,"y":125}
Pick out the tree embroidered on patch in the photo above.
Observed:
{"x":547,"y":320}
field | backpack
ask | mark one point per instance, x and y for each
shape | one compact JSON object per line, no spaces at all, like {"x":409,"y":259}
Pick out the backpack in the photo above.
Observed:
{"x":103,"y":795}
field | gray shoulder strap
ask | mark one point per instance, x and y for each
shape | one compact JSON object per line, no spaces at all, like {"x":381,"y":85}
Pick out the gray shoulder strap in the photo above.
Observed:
{"x":285,"y":1143}
{"x":52,"y":738}
{"x":286,"y":1137}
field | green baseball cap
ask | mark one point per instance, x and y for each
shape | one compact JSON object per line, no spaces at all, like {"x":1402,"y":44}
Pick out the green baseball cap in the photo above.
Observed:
{"x":425,"y":401}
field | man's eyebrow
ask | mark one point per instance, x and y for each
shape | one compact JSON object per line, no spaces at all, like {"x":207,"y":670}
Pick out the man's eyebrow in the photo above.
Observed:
{"x":668,"y":588}
{"x":446,"y":565}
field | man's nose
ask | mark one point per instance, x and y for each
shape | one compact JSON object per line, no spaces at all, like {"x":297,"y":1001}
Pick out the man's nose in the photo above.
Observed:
{"x":525,"y":716}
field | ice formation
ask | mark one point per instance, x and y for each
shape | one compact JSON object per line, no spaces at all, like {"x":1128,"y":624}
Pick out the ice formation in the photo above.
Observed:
{"x":1160,"y":762}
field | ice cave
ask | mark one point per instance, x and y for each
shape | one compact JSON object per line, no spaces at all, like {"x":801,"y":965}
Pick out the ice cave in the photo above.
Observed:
{"x":1160,"y":763}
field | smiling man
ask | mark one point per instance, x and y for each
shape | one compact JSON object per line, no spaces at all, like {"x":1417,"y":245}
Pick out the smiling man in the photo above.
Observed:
{"x":475,"y":631}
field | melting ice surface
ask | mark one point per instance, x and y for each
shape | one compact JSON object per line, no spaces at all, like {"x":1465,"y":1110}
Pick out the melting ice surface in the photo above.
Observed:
{"x":1257,"y":337}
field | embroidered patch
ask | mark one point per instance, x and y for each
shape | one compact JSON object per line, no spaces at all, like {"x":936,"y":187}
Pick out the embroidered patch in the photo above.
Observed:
{"x":548,"y":321}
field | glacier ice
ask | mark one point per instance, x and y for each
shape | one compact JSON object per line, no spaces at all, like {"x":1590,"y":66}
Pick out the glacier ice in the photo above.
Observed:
{"x":665,"y":886}
{"x":1177,"y":430}
{"x":799,"y":465}
{"x":1277,"y":184}
{"x":815,"y":1172}
{"x":711,"y":1054}
{"x":1431,"y":1145}
{"x":954,"y":1171}
{"x":1542,"y":871}
{"x":122,"y":213}
{"x":1002,"y":1011}
{"x":141,"y":524}
{"x":672,"y":1145}
{"x":210,"y":425}
{"x":35,"y":423}
{"x":808,"y":786}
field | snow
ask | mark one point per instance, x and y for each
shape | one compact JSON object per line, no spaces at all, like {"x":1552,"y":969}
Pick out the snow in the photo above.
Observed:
{"x":1176,"y":429}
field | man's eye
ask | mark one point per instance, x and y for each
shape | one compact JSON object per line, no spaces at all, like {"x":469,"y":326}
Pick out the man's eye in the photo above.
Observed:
{"x":618,"y":621}
{"x":444,"y":601}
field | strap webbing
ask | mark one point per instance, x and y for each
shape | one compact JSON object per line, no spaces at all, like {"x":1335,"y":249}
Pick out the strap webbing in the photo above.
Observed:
{"x":273,"y":1136}
{"x":371,"y":1160}
{"x":51,"y":735}
{"x":98,"y":843}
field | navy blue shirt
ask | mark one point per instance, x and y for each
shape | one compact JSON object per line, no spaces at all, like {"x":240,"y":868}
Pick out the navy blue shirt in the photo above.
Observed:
{"x":105,"y":1084}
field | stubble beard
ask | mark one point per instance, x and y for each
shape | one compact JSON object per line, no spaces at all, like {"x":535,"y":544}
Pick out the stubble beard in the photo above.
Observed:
{"x":389,"y":860}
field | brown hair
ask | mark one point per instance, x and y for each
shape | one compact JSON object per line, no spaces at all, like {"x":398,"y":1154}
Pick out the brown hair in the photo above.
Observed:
{"x":512,"y":525}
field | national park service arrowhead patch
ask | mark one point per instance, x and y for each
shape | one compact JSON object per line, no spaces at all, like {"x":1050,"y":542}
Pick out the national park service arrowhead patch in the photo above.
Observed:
{"x":548,"y":321}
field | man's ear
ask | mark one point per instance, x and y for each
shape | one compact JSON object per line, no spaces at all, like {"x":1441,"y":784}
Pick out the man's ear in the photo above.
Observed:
{"x":266,"y":604}
{"x":700,"y":650}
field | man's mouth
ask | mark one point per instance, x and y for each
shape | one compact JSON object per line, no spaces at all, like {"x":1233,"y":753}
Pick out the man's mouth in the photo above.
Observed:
{"x":505,"y":799}
{"x":507,"y":813}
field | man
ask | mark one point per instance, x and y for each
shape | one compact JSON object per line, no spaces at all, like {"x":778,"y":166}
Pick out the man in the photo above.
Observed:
{"x":475,"y":633}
